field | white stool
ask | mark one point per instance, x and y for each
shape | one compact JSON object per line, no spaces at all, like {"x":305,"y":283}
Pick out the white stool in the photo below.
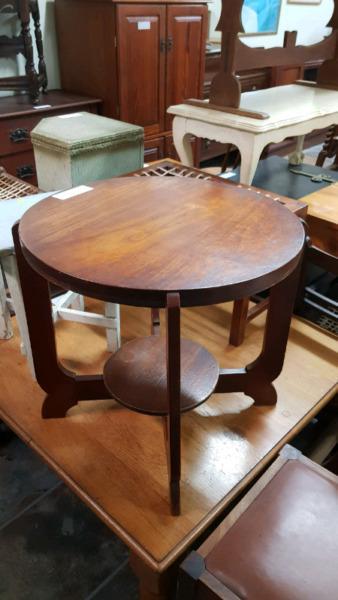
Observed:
{"x":69,"y":306}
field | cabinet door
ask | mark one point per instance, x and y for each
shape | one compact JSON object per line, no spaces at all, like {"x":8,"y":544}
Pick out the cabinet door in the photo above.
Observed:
{"x":186,"y":37}
{"x":141,"y":64}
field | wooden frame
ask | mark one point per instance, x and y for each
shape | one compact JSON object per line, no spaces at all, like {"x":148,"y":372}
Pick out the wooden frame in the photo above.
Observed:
{"x":225,"y":90}
{"x":195,"y":581}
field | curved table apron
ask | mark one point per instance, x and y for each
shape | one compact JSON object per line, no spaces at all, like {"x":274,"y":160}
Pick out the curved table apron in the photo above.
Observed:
{"x":159,"y":243}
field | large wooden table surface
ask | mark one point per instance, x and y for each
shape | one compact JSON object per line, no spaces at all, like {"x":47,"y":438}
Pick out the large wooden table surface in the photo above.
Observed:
{"x":114,"y":459}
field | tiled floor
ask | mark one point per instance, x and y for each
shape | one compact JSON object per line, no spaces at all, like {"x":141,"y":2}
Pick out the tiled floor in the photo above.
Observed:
{"x":51,"y":546}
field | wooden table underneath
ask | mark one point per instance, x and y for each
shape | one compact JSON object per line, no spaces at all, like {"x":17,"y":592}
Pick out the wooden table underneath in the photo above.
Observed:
{"x":103,"y":451}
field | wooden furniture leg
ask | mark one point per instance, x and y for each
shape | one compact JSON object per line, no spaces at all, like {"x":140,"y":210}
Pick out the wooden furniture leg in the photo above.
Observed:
{"x":64,"y":388}
{"x":256,"y":379}
{"x":33,"y":81}
{"x":155,"y":321}
{"x":297,"y":156}
{"x":38,"y":39}
{"x":13,"y":282}
{"x":173,"y":437}
{"x":6,"y":330}
{"x":238,"y":321}
{"x":330,"y":147}
{"x":154,"y":585}
{"x":182,"y":142}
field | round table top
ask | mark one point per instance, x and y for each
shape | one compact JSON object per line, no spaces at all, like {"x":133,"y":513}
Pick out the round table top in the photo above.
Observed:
{"x":134,"y":239}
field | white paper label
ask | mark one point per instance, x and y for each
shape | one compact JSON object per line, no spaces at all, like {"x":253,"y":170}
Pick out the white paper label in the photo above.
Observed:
{"x":80,"y":189}
{"x":143,"y":25}
{"x":42,"y":106}
{"x":71,"y":116}
{"x":227,"y":175}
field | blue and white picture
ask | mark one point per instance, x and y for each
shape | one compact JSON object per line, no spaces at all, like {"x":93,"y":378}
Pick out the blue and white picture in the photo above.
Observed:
{"x":260,"y":16}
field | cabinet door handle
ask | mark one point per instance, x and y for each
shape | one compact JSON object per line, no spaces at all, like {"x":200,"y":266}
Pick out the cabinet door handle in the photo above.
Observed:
{"x":170,"y":43}
{"x":25,"y":171}
{"x":19,"y":135}
{"x":163,"y":45}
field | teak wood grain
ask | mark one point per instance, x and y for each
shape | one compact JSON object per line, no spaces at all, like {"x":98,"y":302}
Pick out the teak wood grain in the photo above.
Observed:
{"x":103,"y":451}
{"x":132,"y":240}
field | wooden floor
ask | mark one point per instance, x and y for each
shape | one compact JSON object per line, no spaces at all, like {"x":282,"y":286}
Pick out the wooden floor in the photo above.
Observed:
{"x":115,"y":459}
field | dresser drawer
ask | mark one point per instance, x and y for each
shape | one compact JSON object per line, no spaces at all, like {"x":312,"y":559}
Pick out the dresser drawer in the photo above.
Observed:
{"x":15,"y":134}
{"x":21,"y":165}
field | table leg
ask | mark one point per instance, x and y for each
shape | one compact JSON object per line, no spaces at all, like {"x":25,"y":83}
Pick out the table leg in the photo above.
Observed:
{"x":251,"y":151}
{"x":255,"y":380}
{"x":64,"y":388}
{"x":238,"y":321}
{"x":154,"y":585}
{"x":173,"y":437}
{"x":297,"y":156}
{"x":182,"y":142}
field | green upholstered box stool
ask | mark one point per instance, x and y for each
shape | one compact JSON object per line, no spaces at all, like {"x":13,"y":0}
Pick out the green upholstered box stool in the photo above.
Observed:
{"x":81,"y":147}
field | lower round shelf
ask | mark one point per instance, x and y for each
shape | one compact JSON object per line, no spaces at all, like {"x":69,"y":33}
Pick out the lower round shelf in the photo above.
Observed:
{"x":136,"y":376}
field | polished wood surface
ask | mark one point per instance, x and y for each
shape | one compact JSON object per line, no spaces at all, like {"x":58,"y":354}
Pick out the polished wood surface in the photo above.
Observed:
{"x":104,"y":452}
{"x":136,"y":375}
{"x":323,"y":218}
{"x":186,"y":35}
{"x":141,"y":65}
{"x":134,"y":239}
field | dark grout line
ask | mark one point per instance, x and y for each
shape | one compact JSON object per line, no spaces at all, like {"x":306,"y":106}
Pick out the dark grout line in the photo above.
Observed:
{"x":22,"y":512}
{"x":105,"y":581}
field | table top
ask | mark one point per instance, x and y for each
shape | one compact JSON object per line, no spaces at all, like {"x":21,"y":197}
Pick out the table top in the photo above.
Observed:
{"x":286,"y":105}
{"x":132,"y":240}
{"x":114,"y":459}
{"x":323,"y":204}
{"x":21,"y":104}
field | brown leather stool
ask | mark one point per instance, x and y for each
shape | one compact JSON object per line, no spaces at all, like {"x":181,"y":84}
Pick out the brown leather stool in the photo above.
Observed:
{"x":279,"y":543}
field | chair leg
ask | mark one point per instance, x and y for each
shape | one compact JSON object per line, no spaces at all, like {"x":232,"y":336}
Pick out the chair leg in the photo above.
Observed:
{"x":155,"y":321}
{"x":12,"y":276}
{"x":6,"y":330}
{"x":113,"y":333}
{"x":238,"y":321}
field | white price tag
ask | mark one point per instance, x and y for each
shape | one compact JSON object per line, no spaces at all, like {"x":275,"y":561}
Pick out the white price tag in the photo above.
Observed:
{"x":71,"y":116}
{"x":80,"y":189}
{"x":143,"y":25}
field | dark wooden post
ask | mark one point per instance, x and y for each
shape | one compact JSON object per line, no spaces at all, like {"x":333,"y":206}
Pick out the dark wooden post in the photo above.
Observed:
{"x":225,"y":88}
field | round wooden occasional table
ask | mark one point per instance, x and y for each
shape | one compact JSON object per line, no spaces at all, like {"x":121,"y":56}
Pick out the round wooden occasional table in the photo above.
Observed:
{"x":159,"y":242}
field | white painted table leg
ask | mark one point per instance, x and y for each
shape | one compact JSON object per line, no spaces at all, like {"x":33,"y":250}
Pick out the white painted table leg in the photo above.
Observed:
{"x":6,"y":330}
{"x":297,"y":156}
{"x":112,"y":311}
{"x":12,"y":276}
{"x":251,"y":151}
{"x":182,"y":142}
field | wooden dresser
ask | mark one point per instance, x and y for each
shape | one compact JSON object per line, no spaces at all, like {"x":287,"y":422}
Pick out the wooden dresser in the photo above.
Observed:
{"x":138,"y":57}
{"x":18,"y":117}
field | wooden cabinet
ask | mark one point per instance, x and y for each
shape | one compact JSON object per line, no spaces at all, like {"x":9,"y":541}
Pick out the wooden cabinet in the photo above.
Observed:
{"x":17,"y":119}
{"x":138,"y":57}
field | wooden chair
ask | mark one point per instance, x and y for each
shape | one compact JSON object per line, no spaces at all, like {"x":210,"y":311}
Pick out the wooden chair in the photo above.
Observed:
{"x":330,"y":148}
{"x":279,"y":542}
{"x":33,"y":80}
{"x":17,"y":197}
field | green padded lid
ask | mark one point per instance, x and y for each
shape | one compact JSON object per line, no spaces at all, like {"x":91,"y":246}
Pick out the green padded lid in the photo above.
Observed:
{"x":80,"y":132}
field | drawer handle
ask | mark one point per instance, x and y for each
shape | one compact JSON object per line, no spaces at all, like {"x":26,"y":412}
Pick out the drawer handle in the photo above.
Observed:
{"x":25,"y":171}
{"x":170,"y":43}
{"x":19,"y":135}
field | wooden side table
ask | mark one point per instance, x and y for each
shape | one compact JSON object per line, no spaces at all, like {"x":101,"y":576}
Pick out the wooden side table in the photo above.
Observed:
{"x":160,"y":243}
{"x":291,"y":110}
